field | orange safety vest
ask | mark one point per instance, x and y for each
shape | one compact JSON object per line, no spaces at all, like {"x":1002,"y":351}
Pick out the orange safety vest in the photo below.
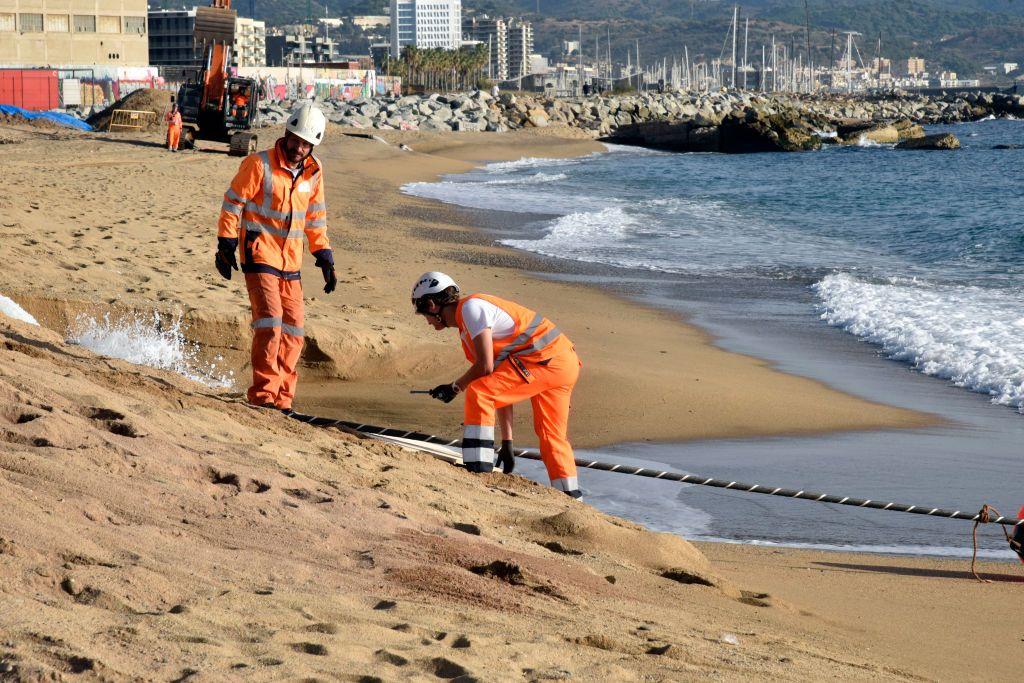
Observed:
{"x":536,"y":338}
{"x":271,"y":211}
{"x":173,"y":119}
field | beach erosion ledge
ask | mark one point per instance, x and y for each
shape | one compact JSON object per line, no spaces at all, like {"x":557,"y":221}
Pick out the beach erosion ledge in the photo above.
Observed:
{"x":149,"y":514}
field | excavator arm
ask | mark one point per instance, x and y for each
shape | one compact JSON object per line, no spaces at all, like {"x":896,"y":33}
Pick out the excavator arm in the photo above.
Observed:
{"x":215,"y":27}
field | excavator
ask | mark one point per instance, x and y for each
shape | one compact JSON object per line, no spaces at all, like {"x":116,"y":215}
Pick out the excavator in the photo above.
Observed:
{"x":213,"y":104}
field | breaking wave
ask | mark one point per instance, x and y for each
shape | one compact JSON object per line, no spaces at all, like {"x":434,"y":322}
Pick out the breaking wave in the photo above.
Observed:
{"x":971,"y":336}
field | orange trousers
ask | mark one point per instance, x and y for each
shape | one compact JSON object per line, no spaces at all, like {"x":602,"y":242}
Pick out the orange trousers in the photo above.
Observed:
{"x":173,"y":136}
{"x":277,"y":338}
{"x":549,"y":392}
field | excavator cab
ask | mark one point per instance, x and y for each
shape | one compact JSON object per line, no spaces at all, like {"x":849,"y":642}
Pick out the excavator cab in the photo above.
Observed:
{"x":240,"y":108}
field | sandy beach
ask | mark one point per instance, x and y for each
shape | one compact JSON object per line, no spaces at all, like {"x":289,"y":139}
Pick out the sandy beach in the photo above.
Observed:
{"x":161,"y":529}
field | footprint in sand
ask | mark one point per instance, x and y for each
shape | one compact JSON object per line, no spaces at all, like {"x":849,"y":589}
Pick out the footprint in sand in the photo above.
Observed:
{"x":310,"y":649}
{"x":391,"y":658}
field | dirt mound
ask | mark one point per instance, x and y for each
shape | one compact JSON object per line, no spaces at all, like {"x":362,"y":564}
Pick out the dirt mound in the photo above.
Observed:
{"x":156,"y":101}
{"x":581,"y":530}
{"x":15,"y":120}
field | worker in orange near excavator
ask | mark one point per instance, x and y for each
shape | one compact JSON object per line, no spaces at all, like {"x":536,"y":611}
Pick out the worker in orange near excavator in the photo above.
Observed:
{"x":173,"y":119}
{"x":239,"y":101}
{"x":516,"y":354}
{"x":277,"y":196}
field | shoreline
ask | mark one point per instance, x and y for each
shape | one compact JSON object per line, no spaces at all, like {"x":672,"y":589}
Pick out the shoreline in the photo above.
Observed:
{"x":473,"y":247}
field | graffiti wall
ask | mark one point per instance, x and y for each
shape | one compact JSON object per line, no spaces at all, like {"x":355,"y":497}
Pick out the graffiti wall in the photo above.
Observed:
{"x":285,"y":83}
{"x":102,"y":86}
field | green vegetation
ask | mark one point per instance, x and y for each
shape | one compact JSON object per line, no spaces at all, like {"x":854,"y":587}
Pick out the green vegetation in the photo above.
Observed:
{"x":437,"y":69}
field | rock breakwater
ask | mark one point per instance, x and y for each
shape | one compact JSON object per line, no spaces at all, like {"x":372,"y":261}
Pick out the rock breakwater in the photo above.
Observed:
{"x":724,"y":121}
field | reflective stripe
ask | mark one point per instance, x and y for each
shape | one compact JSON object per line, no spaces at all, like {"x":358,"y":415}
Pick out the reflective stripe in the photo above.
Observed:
{"x":521,"y":339}
{"x":231,"y":208}
{"x":233,"y":196}
{"x":266,"y":211}
{"x":566,"y":484}
{"x":478,"y":432}
{"x":318,"y":223}
{"x":540,"y":343}
{"x":292,"y":330}
{"x":313,"y":208}
{"x":266,"y":322}
{"x":268,"y":179}
{"x":253,"y":226}
{"x":484,"y":454}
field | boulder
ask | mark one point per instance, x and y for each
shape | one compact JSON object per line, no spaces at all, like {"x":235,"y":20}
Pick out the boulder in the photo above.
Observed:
{"x":907,"y":129}
{"x":939,"y":141}
{"x":537,"y":118}
{"x":744,"y":132}
{"x":357,"y":120}
{"x":434,"y":125}
{"x":671,"y":136}
{"x":880,"y":132}
{"x":463,"y":126}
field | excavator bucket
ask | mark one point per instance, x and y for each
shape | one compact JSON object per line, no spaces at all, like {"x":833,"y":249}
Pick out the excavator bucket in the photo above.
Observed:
{"x":215,"y":24}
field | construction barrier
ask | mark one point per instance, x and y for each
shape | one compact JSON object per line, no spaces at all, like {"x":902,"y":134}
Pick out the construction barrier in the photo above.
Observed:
{"x":130,"y":119}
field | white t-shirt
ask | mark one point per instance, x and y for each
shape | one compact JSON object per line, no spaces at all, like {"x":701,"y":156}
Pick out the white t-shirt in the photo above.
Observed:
{"x":479,"y":315}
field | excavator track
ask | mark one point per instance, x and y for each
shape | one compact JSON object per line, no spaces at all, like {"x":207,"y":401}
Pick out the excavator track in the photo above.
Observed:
{"x":242,"y":144}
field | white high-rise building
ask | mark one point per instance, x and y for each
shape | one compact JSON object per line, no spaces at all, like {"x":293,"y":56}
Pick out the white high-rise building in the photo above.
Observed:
{"x":425,"y":24}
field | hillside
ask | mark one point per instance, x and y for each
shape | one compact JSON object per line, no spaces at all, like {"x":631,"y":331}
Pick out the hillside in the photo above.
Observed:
{"x":962,"y":36}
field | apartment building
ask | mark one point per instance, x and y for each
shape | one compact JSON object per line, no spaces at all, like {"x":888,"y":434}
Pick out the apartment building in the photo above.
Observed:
{"x":73,"y":33}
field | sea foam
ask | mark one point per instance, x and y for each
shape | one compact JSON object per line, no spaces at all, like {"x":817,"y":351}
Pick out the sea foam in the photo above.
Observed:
{"x":972,"y":336}
{"x":148,"y":340}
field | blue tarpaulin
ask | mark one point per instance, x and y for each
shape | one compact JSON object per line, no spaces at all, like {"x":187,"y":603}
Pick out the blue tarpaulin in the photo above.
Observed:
{"x":55,"y":116}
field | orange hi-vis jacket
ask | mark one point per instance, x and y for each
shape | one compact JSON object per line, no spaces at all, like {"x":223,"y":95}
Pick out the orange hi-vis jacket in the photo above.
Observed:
{"x":173,"y":119}
{"x":536,"y":338}
{"x":271,"y":211}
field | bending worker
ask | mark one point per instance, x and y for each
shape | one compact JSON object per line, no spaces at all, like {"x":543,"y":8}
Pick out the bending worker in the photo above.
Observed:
{"x":276,"y":197}
{"x":173,"y":119}
{"x":515,"y":354}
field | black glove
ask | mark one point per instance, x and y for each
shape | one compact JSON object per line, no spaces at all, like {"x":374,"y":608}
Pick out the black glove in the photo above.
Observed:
{"x":325,"y":262}
{"x":444,"y":392}
{"x":225,"y":262}
{"x":506,"y":457}
{"x":330,"y":279}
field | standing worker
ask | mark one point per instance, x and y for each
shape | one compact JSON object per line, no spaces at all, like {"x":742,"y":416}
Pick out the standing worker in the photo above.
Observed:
{"x":276,"y":197}
{"x":173,"y":119}
{"x":515,"y":354}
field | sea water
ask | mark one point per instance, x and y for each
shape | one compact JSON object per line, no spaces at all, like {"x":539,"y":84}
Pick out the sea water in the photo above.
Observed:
{"x":149,"y":339}
{"x":914,"y":258}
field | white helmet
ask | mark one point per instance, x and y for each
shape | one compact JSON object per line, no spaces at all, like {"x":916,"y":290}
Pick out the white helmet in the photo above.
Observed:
{"x":430,"y":283}
{"x":307,"y":122}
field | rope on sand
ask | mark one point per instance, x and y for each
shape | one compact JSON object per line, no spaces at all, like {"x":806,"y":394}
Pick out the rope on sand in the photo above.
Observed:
{"x":984,"y":516}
